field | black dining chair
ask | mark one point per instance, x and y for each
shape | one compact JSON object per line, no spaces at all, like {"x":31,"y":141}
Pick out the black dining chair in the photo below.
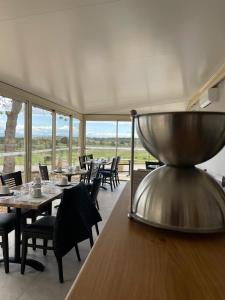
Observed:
{"x":15,"y":179}
{"x":89,"y":156}
{"x":94,"y":190}
{"x":7,"y":224}
{"x":12,"y":180}
{"x":43,"y":169}
{"x":82,"y":160}
{"x":108,"y":176}
{"x":151,"y":165}
{"x":116,"y":172}
{"x":93,"y":172}
{"x":73,"y":223}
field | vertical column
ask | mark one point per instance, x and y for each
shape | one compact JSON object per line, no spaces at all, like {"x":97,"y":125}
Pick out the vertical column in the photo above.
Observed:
{"x":82,"y":135}
{"x":28,"y":140}
{"x":116,"y":136}
{"x":133,"y":114}
{"x":53,"y":139}
{"x":71,"y":141}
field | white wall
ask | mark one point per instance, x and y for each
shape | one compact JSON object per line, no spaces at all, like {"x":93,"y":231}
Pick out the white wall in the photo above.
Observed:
{"x":216,"y":165}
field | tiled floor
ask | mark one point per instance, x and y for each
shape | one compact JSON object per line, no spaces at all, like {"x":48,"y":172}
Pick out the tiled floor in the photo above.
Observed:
{"x":45,"y":285}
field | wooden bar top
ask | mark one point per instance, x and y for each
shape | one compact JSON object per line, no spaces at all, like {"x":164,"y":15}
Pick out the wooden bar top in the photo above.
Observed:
{"x":133,"y":261}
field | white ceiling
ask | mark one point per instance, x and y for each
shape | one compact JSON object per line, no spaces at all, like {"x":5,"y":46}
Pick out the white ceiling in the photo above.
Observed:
{"x":105,"y":56}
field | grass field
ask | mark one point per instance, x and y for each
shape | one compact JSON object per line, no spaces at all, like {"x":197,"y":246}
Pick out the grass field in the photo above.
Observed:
{"x":99,"y":147}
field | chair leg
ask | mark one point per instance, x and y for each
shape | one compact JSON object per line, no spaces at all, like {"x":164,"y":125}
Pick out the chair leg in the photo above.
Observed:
{"x":118,"y":179}
{"x":5,"y":248}
{"x":77,"y":252}
{"x":113,"y":180}
{"x":24,"y":254}
{"x":97,"y":230}
{"x":91,"y":239}
{"x":33,"y":219}
{"x":45,"y":245}
{"x":49,"y":210}
{"x":97,"y":205}
{"x":60,"y":268}
{"x":111,"y":184}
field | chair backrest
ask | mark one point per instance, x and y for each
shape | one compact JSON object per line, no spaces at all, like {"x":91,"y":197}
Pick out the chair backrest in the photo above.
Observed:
{"x":150,"y":165}
{"x":117,"y":162}
{"x":81,"y":161}
{"x":93,"y":171}
{"x":12,"y":179}
{"x":223,"y":181}
{"x":113,"y":164}
{"x":44,"y":172}
{"x":89,"y":156}
{"x":75,"y":217}
{"x":95,"y":189}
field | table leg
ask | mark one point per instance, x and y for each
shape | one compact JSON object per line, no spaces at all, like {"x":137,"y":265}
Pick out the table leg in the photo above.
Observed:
{"x":17,"y":234}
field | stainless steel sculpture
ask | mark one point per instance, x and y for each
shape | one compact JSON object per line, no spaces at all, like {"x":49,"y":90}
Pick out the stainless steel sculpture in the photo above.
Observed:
{"x":179,"y":196}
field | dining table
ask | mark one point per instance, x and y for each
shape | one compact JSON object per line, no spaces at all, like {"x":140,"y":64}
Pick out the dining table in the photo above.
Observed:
{"x":22,"y":198}
{"x":69,"y":174}
{"x":101,"y":162}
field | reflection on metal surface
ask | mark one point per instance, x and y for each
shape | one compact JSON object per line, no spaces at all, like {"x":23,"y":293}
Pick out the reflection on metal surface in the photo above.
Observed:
{"x":182,"y":138}
{"x":179,"y":196}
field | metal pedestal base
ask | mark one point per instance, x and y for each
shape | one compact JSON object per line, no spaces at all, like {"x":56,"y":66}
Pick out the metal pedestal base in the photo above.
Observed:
{"x":181,"y":199}
{"x":29,"y":262}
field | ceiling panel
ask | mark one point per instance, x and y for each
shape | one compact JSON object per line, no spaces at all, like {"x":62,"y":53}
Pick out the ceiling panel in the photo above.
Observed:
{"x":111,"y":56}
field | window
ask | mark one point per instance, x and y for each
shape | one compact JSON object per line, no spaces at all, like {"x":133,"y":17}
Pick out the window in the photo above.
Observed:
{"x":12,"y":147}
{"x":41,"y":138}
{"x":111,"y":138}
{"x":75,"y":146}
{"x":62,"y":140}
{"x":101,"y":138}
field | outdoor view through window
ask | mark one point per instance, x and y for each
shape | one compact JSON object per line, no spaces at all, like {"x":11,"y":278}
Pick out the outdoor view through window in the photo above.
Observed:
{"x":103,"y":138}
{"x":12,"y":149}
{"x":111,"y":138}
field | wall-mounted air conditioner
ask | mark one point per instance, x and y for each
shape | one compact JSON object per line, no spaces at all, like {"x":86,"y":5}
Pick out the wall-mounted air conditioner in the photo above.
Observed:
{"x":208,"y":97}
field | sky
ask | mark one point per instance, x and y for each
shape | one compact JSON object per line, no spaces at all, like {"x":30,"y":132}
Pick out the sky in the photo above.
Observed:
{"x":41,"y":124}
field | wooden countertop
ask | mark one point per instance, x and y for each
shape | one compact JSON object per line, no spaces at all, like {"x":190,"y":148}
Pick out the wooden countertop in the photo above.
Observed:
{"x":133,"y":261}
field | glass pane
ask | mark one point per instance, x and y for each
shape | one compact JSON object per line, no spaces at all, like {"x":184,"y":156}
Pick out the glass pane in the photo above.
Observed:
{"x":62,"y":140}
{"x":41,"y":138}
{"x":124,"y":145}
{"x":12,"y":149}
{"x":140,"y":154}
{"x":101,"y":138}
{"x":76,"y":148}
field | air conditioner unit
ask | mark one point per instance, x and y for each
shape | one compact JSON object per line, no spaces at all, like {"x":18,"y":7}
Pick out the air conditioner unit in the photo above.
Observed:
{"x":208,"y":97}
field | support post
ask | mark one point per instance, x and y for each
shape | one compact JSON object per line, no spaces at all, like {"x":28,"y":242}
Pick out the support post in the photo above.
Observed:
{"x":133,"y":114}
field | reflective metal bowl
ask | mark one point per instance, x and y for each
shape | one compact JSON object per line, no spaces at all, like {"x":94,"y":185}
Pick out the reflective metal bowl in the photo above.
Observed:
{"x":181,"y":199}
{"x":182,"y":138}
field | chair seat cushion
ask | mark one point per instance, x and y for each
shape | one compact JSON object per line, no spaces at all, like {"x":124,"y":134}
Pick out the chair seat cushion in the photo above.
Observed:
{"x":106,"y":173}
{"x":7,"y":221}
{"x":43,"y":225}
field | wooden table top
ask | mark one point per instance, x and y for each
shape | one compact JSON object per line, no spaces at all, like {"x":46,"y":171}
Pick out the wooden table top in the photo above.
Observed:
{"x":131,"y":260}
{"x":25,"y":200}
{"x":98,"y":161}
{"x":64,"y":172}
